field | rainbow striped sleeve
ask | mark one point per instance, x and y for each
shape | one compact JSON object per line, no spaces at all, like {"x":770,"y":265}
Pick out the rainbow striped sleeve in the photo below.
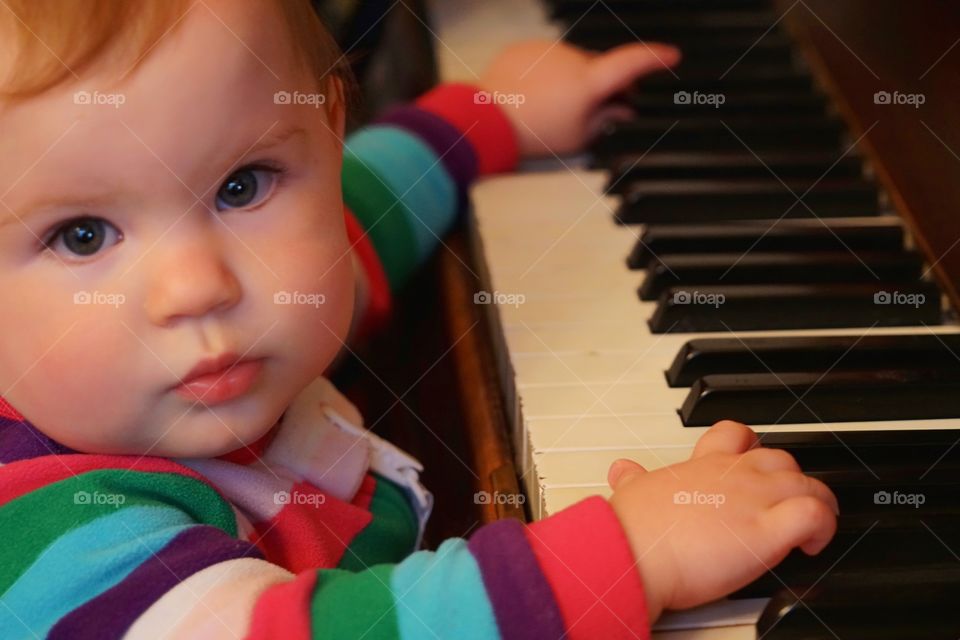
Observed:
{"x":567,"y":576}
{"x":119,"y":546}
{"x":405,"y":179}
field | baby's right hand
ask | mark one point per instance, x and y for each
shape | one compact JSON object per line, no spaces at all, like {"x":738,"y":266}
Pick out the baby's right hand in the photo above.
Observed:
{"x":703,"y":528}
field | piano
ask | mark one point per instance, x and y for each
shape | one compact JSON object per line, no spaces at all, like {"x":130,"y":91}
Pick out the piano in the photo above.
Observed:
{"x":772,"y":241}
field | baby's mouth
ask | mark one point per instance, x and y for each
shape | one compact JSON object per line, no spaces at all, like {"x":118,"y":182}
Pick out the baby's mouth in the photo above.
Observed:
{"x":220,"y":385}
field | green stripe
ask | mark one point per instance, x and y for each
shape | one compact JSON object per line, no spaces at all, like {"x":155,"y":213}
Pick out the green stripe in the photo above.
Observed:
{"x":37,"y":519}
{"x":385,"y":218}
{"x":354,"y":605}
{"x":391,"y":534}
{"x":413,"y":171}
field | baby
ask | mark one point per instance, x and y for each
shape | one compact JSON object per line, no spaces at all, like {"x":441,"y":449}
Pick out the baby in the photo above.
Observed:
{"x":187,"y":242}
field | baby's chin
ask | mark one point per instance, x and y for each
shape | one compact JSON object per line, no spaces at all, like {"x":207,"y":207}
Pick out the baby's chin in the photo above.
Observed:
{"x":216,"y":441}
{"x":201,"y":437}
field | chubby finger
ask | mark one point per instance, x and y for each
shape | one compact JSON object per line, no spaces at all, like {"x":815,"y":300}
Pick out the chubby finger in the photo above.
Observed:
{"x":726,"y":436}
{"x":803,"y":521}
{"x":790,"y":484}
{"x":622,"y":469}
{"x":771,"y":460}
{"x":616,"y":69}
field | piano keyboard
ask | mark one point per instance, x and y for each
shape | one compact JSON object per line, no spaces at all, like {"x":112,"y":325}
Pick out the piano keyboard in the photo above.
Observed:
{"x":729,"y":261}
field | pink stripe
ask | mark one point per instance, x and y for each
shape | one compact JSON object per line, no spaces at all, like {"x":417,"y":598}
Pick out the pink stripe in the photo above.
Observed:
{"x":7,"y":411}
{"x":312,"y":530}
{"x":483,"y":123}
{"x":24,"y":476}
{"x":283,"y":611}
{"x":586,"y":557}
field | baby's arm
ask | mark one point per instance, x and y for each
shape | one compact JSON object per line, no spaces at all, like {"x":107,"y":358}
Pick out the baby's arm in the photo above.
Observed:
{"x":405,"y":179}
{"x":406,"y":176}
{"x":150,"y":549}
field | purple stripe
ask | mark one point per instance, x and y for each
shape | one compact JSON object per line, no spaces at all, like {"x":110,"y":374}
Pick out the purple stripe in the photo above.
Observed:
{"x":111,"y":614}
{"x":450,"y":145}
{"x":20,"y":440}
{"x":522,"y":599}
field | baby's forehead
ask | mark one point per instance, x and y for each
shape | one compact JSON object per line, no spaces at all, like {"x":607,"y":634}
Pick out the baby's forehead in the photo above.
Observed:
{"x":208,"y":85}
{"x":222,"y":55}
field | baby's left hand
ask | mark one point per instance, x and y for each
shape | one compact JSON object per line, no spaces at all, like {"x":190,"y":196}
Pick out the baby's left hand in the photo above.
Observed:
{"x":554,"y":92}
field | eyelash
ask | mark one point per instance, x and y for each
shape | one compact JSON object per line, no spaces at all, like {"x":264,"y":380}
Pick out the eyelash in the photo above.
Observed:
{"x":278,"y":170}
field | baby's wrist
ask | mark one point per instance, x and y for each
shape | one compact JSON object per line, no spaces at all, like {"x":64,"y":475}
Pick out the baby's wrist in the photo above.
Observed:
{"x":649,"y":562}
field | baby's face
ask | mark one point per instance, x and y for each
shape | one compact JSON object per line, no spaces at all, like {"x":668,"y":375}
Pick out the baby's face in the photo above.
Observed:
{"x":176,"y":225}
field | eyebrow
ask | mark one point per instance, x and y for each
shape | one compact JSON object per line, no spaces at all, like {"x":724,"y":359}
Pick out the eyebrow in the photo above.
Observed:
{"x":266,"y":141}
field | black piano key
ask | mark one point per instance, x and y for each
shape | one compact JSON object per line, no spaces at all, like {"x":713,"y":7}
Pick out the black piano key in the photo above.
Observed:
{"x":710,"y":356}
{"x":750,"y":77}
{"x":711,"y":133}
{"x":845,"y":396}
{"x":726,"y":50}
{"x":879,"y":451}
{"x":892,"y":483}
{"x":729,"y":165}
{"x":725,"y":58}
{"x":662,"y":239}
{"x":713,"y":21}
{"x":669,"y":26}
{"x":895,"y":499}
{"x":714,"y":200}
{"x":885,"y":547}
{"x":570,"y":10}
{"x":670,"y":270}
{"x":881,"y":604}
{"x":795,"y":306}
{"x":759,"y":103}
{"x":730,"y":49}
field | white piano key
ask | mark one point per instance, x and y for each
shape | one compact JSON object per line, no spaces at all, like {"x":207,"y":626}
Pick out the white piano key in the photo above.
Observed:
{"x":558,"y":498}
{"x":731,"y":618}
{"x":563,"y":468}
{"x":586,"y":433}
{"x":651,"y":396}
{"x":738,"y":632}
{"x":545,"y":369}
{"x":558,"y":337}
{"x":470,"y":33}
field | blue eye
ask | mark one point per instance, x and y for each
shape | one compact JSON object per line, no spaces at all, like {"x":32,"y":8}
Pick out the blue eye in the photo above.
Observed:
{"x":83,"y":236}
{"x":246,"y":187}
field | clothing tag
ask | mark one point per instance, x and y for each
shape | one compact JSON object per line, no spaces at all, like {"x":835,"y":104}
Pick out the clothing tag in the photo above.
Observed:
{"x":394,"y":464}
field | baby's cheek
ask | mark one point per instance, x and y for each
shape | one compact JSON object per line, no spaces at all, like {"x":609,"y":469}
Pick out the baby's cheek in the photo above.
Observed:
{"x":307,"y":293}
{"x":78,"y":386}
{"x":331,"y":279}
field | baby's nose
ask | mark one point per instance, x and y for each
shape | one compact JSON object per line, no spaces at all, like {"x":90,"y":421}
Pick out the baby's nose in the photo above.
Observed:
{"x":191,"y":283}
